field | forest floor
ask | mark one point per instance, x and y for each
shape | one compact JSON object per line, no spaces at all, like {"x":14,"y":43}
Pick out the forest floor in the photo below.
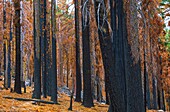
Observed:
{"x":11,"y":105}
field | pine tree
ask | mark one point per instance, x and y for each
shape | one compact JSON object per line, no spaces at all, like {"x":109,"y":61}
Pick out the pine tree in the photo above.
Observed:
{"x":87,"y":92}
{"x":37,"y":51}
{"x":54,"y":60}
{"x":17,"y":86}
{"x":78,"y":73}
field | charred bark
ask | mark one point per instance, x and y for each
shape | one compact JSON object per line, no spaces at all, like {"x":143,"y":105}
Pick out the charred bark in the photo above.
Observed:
{"x":17,"y":86}
{"x":78,"y":73}
{"x":54,"y":60}
{"x":37,"y":51}
{"x":87,"y":92}
{"x":43,"y":45}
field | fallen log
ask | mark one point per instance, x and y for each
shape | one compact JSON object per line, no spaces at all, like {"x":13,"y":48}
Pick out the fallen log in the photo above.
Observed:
{"x":28,"y":99}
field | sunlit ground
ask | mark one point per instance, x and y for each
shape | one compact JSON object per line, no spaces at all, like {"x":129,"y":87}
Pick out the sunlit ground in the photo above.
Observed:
{"x":28,"y":106}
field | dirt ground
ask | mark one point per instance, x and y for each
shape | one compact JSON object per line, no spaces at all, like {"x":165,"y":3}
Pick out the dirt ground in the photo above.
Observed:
{"x":11,"y":105}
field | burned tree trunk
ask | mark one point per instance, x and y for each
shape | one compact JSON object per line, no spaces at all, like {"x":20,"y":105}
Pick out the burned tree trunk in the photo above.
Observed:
{"x":54,"y":60}
{"x":87,"y":92}
{"x":37,"y":51}
{"x":17,"y":86}
{"x":43,"y":32}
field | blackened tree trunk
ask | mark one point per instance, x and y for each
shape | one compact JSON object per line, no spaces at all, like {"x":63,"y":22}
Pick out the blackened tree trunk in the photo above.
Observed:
{"x":99,"y":90}
{"x":121,"y":84}
{"x":48,"y":59}
{"x":146,"y":82}
{"x":146,"y":88}
{"x":72,"y":93}
{"x":161,"y":104}
{"x":43,"y":44}
{"x":68,"y":70}
{"x":133,"y":77}
{"x":37,"y":51}
{"x":5,"y":58}
{"x":114,"y":75}
{"x":163,"y":99}
{"x":9,"y":60}
{"x":113,"y":55}
{"x":48,"y":50}
{"x":9,"y":52}
{"x":5,"y":46}
{"x":21,"y":40}
{"x":71,"y":102}
{"x":87,"y":92}
{"x":155,"y":95}
{"x":93,"y":36}
{"x":17,"y":86}
{"x":78,"y":73}
{"x":54,"y":60}
{"x":107,"y":94}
